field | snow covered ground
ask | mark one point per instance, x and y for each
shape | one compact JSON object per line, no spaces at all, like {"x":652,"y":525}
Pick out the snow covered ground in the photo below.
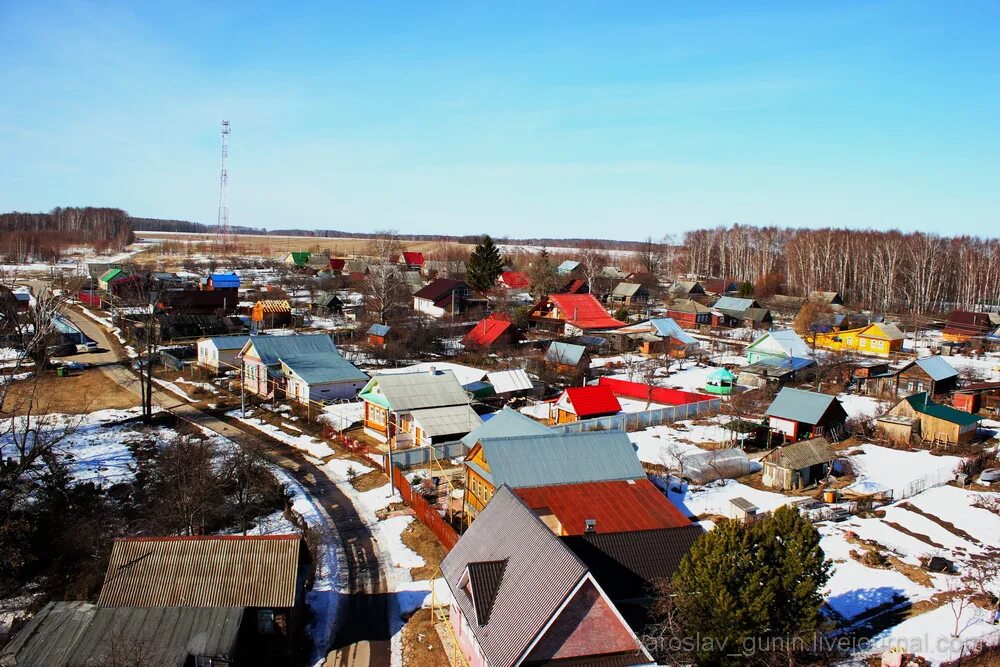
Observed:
{"x":714,"y":498}
{"x":659,"y":444}
{"x":904,"y":473}
{"x":862,"y":407}
{"x":317,"y":449}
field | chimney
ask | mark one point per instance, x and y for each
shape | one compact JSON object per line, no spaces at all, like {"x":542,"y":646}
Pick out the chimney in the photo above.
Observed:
{"x":432,"y":370}
{"x":590,"y":525}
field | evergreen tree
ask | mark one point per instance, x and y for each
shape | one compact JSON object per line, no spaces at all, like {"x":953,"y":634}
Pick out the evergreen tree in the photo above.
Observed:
{"x":542,"y":275}
{"x":746,"y":585}
{"x":746,"y":289}
{"x":485,"y":265}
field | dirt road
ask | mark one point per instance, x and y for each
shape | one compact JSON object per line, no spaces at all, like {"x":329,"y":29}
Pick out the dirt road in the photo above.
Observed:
{"x":363,"y":636}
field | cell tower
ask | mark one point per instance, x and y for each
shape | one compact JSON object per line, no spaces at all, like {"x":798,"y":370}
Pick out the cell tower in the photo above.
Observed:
{"x":222,"y":225}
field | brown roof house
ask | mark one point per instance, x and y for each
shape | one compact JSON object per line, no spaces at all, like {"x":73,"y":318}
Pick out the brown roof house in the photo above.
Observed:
{"x":522,"y":597}
{"x":445,"y":296}
{"x":211,"y":600}
{"x":798,"y":465}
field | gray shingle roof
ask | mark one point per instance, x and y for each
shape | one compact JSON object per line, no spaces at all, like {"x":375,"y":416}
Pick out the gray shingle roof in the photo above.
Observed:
{"x":799,"y":405}
{"x":540,"y":573}
{"x":413,"y":391}
{"x":561,"y":458}
{"x":508,"y":423}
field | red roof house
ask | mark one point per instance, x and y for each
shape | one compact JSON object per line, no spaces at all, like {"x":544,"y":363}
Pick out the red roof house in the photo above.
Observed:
{"x":578,"y":313}
{"x":575,"y":286}
{"x":577,"y":403}
{"x":514,"y":280}
{"x":603,"y":507}
{"x":643,"y":392}
{"x":337,"y":265}
{"x":963,"y":326}
{"x":493,"y":329}
{"x":413,"y":260}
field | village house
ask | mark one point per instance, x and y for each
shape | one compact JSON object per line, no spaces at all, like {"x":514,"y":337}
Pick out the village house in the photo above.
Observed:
{"x":179,"y":601}
{"x":878,"y":339}
{"x":494,"y":330}
{"x":567,"y":357}
{"x":798,"y":465}
{"x":519,"y":596}
{"x":445,"y":296}
{"x":691,"y":314}
{"x":797,"y":414}
{"x":660,"y":335}
{"x":567,"y":267}
{"x":511,"y":383}
{"x":932,"y":374}
{"x":575,"y":286}
{"x":963,"y":326}
{"x":514,"y":280}
{"x":573,"y":313}
{"x":545,"y":459}
{"x":687,"y":289}
{"x":197,"y":301}
{"x":576,"y":403}
{"x":268,"y":313}
{"x":720,"y":286}
{"x":219,"y":354}
{"x":825,"y":298}
{"x":417,"y":409}
{"x":301,"y":367}
{"x":737,"y":312}
{"x":979,"y":397}
{"x":629,"y":294}
{"x":919,"y":418}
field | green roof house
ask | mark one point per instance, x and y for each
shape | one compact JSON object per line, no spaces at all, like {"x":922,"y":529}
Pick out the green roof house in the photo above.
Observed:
{"x":298,"y":258}
{"x":104,"y":282}
{"x":919,"y":418}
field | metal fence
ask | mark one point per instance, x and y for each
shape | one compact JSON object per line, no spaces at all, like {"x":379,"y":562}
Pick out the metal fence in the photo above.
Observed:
{"x":408,"y":458}
{"x":635,"y":421}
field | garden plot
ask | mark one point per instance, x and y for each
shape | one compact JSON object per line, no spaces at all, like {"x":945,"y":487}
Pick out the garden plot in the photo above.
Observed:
{"x":930,"y":635}
{"x":714,"y":498}
{"x":904,"y":473}
{"x":662,"y":444}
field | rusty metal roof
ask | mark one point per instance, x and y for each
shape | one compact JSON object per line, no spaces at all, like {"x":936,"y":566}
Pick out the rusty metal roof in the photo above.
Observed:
{"x":216,"y":571}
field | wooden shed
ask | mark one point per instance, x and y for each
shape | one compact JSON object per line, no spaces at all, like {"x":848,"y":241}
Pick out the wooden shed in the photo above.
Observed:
{"x":918,"y":416}
{"x":798,"y":465}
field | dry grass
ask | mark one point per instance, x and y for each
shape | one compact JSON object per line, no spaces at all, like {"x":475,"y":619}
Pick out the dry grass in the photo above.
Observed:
{"x":421,"y":644}
{"x":370,"y":480}
{"x":80,"y":393}
{"x":276,"y":247}
{"x":420,"y":539}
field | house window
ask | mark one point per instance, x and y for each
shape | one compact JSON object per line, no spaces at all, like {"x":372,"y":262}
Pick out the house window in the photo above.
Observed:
{"x":265,"y":621}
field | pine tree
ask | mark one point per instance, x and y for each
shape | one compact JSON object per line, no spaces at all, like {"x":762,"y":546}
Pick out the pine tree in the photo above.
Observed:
{"x":485,"y":265}
{"x":745,"y":584}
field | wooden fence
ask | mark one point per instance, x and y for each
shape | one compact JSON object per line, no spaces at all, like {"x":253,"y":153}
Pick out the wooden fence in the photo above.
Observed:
{"x":424,"y":511}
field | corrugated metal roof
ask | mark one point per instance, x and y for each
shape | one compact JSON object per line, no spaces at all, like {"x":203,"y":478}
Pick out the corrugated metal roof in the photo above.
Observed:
{"x":584,"y":311}
{"x":624,"y":289}
{"x":539,"y":575}
{"x":272,"y":349}
{"x":225,"y":280}
{"x":567,"y":266}
{"x":802,"y":454}
{"x":688,"y":306}
{"x":564,"y":353}
{"x":561,"y":458}
{"x":921,"y":403}
{"x":379,"y":330}
{"x":643,"y":392}
{"x":229,"y":342}
{"x":590,"y":401}
{"x":512,"y":380}
{"x":218,"y":571}
{"x":734,"y":303}
{"x":319,"y":369}
{"x":423,"y":389}
{"x":615,"y":506}
{"x":449,"y":420}
{"x":505,"y":423}
{"x":487,"y":330}
{"x":799,"y":405}
{"x":485,"y":578}
{"x":937,"y":367}
{"x":628,"y":564}
{"x":667,"y":327}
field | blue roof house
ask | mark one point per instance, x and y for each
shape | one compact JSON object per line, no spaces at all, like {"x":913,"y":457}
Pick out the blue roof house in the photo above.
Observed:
{"x":303,"y":367}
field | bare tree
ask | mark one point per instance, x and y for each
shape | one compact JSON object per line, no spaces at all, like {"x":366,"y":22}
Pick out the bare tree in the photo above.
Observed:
{"x":593,"y":258}
{"x":188,"y":491}
{"x":384,"y":284}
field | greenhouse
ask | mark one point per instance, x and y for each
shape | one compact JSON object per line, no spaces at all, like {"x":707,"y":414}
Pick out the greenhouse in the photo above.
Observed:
{"x":705,"y":467}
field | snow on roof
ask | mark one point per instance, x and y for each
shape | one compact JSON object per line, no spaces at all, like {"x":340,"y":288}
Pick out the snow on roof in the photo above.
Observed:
{"x":512,"y":380}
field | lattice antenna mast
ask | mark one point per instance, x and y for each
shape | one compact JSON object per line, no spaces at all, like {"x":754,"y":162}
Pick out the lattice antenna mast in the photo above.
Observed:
{"x":222,"y":225}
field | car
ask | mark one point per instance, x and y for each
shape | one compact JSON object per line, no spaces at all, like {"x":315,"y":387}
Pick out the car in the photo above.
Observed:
{"x":75,"y":365}
{"x":990,"y":475}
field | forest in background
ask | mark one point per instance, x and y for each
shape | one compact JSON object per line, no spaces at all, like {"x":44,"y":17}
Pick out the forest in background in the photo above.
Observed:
{"x":887,"y":271}
{"x":47,"y":236}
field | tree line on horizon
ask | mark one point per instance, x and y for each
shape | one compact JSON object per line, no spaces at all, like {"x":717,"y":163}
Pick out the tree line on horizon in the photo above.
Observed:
{"x":46,"y":236}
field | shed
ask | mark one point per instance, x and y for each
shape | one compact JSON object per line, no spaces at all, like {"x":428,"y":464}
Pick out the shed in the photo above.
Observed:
{"x":797,"y":413}
{"x":378,"y":334}
{"x":742,"y":509}
{"x":798,"y":465}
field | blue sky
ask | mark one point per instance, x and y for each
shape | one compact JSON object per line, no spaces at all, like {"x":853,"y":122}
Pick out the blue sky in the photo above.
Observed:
{"x":615,"y":120}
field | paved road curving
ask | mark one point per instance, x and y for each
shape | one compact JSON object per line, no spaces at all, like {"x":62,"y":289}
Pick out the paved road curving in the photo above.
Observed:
{"x":363,"y":635}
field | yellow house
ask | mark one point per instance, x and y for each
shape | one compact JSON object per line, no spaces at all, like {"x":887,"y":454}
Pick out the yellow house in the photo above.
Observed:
{"x":878,"y":339}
